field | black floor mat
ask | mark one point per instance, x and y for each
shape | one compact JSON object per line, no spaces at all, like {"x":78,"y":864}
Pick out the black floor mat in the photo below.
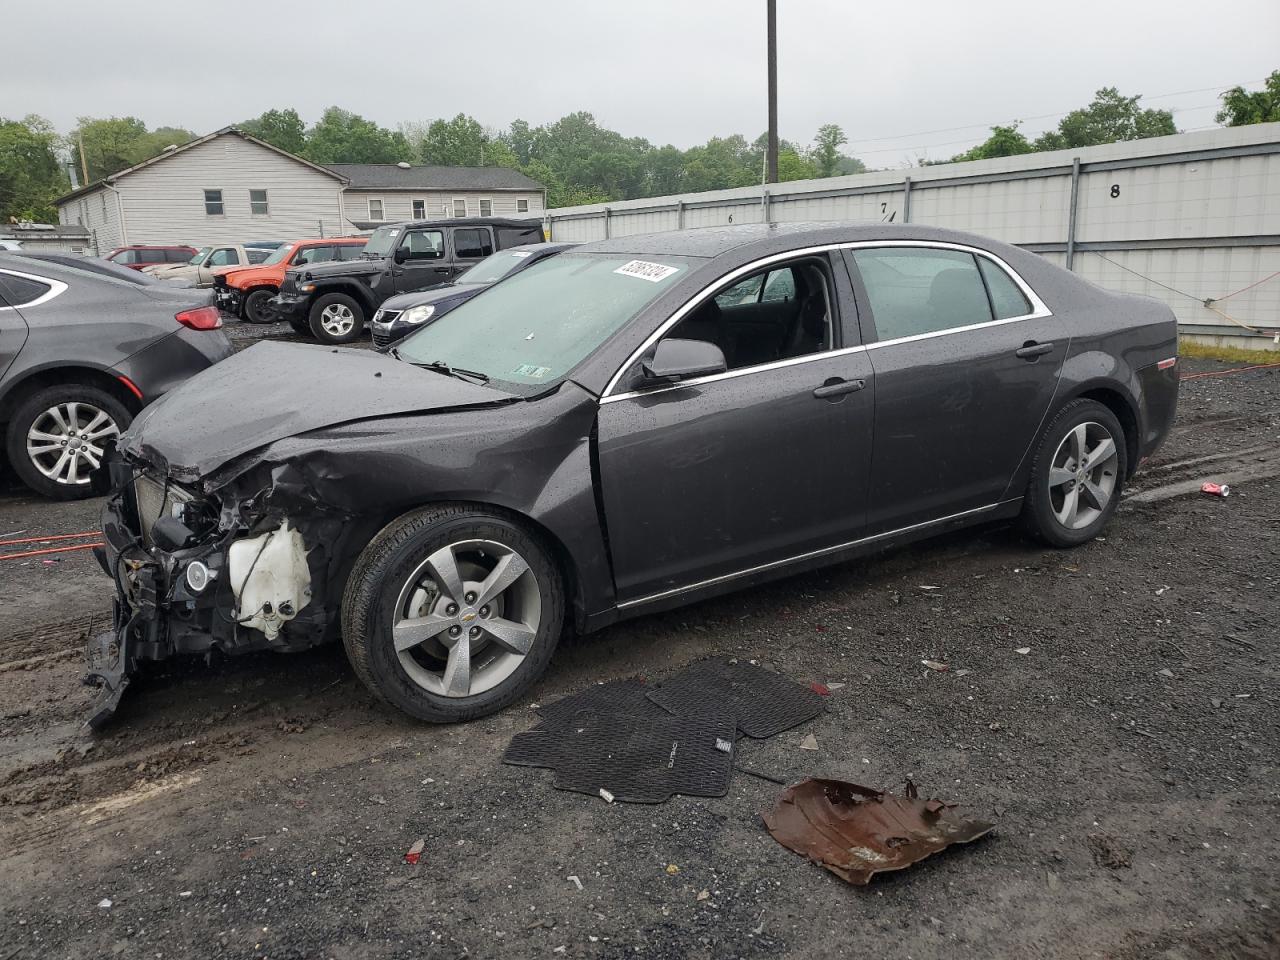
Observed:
{"x":624,"y":697}
{"x":763,"y":702}
{"x":636,"y":759}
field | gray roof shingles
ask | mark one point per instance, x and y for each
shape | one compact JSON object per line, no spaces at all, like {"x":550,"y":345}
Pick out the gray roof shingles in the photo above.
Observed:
{"x":389,"y":176}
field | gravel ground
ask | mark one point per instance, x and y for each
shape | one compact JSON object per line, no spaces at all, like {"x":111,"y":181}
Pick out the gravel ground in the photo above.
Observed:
{"x":261,"y":807}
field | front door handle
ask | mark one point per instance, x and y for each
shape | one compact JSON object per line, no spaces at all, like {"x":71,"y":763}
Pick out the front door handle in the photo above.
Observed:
{"x":442,"y":269}
{"x":1032,"y":351}
{"x":835,"y":387}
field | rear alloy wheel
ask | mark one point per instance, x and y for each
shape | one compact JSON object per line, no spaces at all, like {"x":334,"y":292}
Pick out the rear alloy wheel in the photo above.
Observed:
{"x":1077,"y":476}
{"x":452,"y":612}
{"x":336,"y":318}
{"x":57,"y":438}
{"x":255,"y":306}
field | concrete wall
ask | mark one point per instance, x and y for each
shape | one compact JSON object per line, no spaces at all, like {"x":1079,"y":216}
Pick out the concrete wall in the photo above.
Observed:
{"x":1196,"y":212}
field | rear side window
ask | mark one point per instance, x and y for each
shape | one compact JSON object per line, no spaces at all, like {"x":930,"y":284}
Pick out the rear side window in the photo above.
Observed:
{"x":151,"y":256}
{"x":916,"y":291}
{"x":471,"y":244}
{"x":177,"y":256}
{"x":258,"y":255}
{"x":1007,"y":299}
{"x":514,"y":236}
{"x":20,"y":291}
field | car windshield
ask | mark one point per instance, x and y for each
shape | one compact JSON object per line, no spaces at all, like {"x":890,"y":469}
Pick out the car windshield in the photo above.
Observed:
{"x":200,"y":255}
{"x":380,"y":241}
{"x":531,"y":330}
{"x":492,"y":269}
{"x":278,"y":255}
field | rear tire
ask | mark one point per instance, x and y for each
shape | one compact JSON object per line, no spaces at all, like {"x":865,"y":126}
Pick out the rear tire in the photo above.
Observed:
{"x":482,"y":593}
{"x":56,"y":438}
{"x":254,"y":309}
{"x":336,"y":318}
{"x":1077,"y":475}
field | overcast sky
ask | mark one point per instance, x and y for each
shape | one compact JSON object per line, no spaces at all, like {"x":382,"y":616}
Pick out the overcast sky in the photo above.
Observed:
{"x":900,"y":78}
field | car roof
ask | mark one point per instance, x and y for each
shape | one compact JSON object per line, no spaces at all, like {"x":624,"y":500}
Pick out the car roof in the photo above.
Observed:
{"x":775,"y":238}
{"x":527,"y":222}
{"x":544,"y":247}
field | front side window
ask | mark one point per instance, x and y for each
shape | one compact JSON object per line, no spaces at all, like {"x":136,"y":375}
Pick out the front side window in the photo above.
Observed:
{"x":486,"y":208}
{"x":313,"y":255}
{"x":258,"y":203}
{"x":460,"y":207}
{"x":375,"y":209}
{"x":197,"y":258}
{"x":419,"y":209}
{"x":752,"y":328}
{"x":920,"y":290}
{"x":472,"y":244}
{"x":423,"y":244}
{"x":533,"y":328}
{"x":223,"y":257}
{"x":213,"y":203}
{"x":349,"y":251}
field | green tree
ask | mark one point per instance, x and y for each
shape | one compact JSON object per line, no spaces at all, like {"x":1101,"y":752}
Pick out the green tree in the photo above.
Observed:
{"x":721,"y":163}
{"x":825,"y":154}
{"x":31,"y":177}
{"x":1003,"y":142}
{"x":1241,"y":107}
{"x":460,"y":142}
{"x":113,"y":143}
{"x":847,"y":166}
{"x":344,"y":137}
{"x":280,"y":128}
{"x":793,"y":166}
{"x":1108,"y":119}
{"x":520,"y":139}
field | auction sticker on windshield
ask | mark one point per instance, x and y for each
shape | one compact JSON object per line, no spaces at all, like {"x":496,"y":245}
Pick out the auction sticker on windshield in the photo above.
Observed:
{"x":644,"y":270}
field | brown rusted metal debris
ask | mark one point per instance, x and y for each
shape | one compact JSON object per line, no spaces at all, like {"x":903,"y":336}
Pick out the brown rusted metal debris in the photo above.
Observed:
{"x":856,"y":832}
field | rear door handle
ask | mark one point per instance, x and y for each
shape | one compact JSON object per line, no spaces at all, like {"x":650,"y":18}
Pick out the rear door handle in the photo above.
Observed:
{"x":1032,"y":350}
{"x":836,"y":387}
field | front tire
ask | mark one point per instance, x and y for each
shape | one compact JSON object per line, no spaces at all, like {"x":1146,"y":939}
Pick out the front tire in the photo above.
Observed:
{"x":452,"y":612}
{"x":336,"y":318}
{"x":1077,"y":475}
{"x":254,"y":310}
{"x":56,"y":438}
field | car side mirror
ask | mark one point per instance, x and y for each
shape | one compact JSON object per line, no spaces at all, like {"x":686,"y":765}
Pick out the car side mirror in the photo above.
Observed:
{"x":401,"y":254}
{"x":676,"y":359}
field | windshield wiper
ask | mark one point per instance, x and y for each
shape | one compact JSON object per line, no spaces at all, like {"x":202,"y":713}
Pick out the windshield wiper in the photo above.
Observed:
{"x":441,"y":366}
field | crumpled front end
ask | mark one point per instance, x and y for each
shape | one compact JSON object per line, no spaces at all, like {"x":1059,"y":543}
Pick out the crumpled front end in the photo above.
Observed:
{"x":203,"y":566}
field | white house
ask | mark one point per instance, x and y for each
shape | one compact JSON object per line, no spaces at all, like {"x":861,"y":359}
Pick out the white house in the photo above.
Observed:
{"x":229,"y":187}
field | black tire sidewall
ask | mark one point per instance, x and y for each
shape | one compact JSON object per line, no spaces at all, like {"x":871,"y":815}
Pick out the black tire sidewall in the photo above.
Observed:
{"x":381,"y":579}
{"x":25,"y":414}
{"x":1038,"y":516}
{"x":260,"y":294}
{"x":317,"y":329}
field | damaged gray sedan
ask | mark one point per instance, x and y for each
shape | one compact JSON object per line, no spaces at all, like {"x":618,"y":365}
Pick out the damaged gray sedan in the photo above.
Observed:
{"x":632,"y":425}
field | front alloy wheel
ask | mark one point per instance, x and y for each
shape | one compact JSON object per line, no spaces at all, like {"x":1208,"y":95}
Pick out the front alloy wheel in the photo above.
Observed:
{"x":452,"y":611}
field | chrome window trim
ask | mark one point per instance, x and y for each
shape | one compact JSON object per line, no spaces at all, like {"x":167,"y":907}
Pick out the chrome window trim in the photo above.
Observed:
{"x":798,"y":558}
{"x":1038,"y":311}
{"x":56,"y":288}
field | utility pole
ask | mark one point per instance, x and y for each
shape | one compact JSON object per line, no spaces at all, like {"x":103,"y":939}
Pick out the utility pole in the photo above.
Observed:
{"x":771,"y":152}
{"x":84,"y":164}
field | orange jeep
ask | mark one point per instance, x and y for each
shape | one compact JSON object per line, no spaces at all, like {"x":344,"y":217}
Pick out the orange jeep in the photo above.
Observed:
{"x":244,"y":291}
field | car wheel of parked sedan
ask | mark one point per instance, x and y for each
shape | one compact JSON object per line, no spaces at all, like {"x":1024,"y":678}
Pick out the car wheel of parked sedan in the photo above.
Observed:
{"x":336,"y":318}
{"x":255,"y":306}
{"x":57,"y":436}
{"x":451,"y":612}
{"x":1077,"y":475}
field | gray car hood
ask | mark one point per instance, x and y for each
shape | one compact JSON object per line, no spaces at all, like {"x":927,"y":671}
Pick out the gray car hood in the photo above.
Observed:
{"x":277,"y":390}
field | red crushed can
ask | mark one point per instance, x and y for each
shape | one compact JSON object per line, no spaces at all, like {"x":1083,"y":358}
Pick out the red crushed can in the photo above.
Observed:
{"x":1216,"y":489}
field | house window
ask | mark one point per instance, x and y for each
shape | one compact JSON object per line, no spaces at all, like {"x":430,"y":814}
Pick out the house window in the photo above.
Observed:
{"x":522,"y":206}
{"x":213,"y":203}
{"x":375,"y":209}
{"x":460,"y":207}
{"x":103,"y":197}
{"x":258,"y":203}
{"x":486,"y":208}
{"x":419,"y":209}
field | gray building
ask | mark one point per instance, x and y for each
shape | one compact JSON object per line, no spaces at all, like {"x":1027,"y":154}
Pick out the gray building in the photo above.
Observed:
{"x":47,"y":238}
{"x":229,"y":187}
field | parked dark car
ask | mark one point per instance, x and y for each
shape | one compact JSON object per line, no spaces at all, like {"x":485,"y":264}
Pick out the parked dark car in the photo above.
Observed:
{"x":81,"y":353}
{"x":402,"y":314}
{"x":730,"y":405}
{"x":332,"y":301}
{"x":143,"y":255}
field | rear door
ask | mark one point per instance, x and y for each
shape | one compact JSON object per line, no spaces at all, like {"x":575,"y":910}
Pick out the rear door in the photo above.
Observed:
{"x":470,"y":245}
{"x":16,"y":289}
{"x":425,"y":263}
{"x":967,"y":360}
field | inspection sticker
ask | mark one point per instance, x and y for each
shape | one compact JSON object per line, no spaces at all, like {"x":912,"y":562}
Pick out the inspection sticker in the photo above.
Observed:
{"x":653,"y":272}
{"x":530,"y":371}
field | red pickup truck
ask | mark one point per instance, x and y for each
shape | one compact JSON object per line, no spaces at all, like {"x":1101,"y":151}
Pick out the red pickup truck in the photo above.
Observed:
{"x":244,"y":291}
